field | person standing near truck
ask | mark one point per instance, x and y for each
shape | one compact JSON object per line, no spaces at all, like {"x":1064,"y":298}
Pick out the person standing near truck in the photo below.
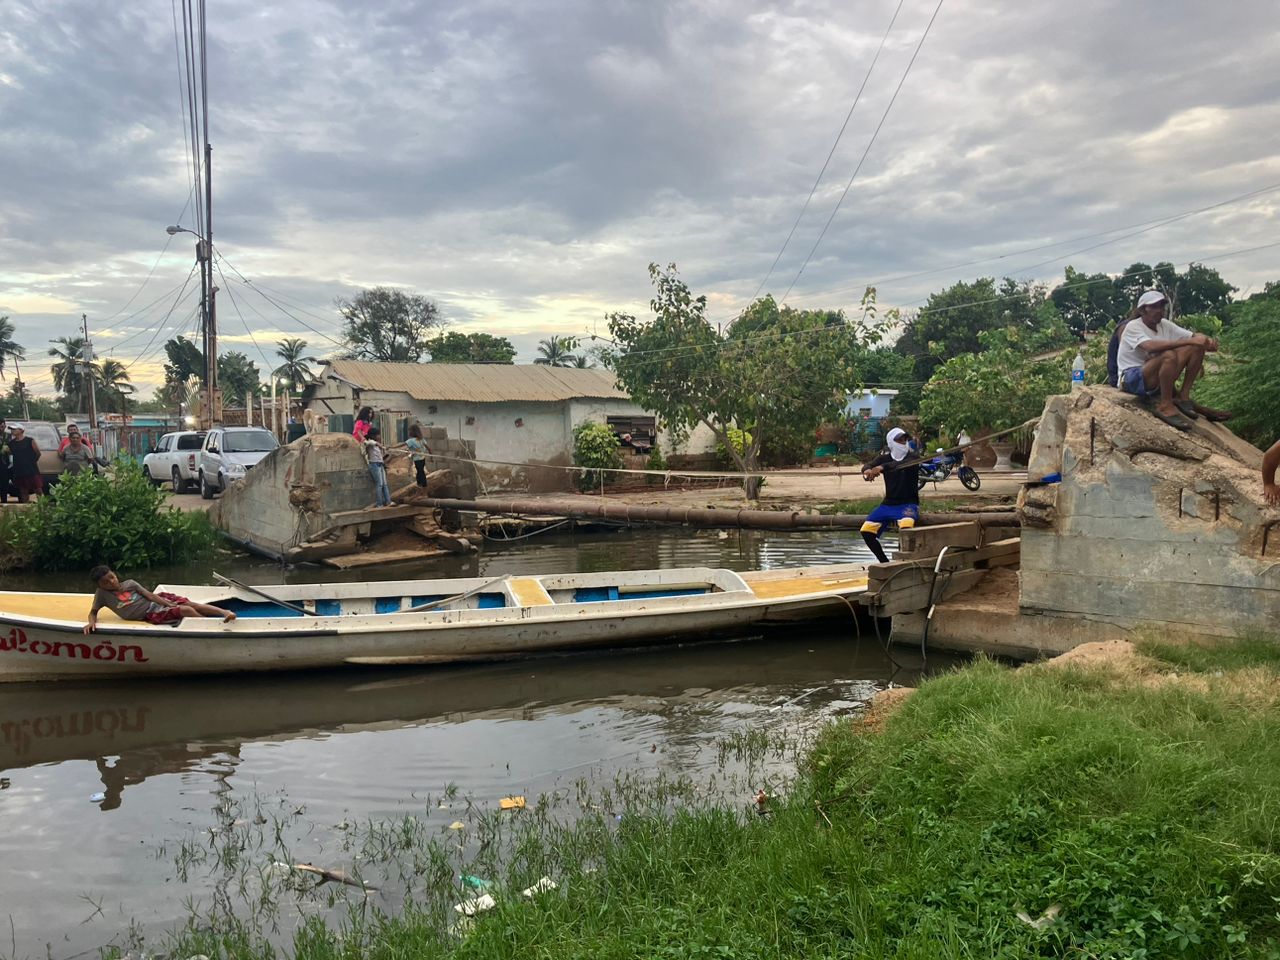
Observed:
{"x":26,"y":463}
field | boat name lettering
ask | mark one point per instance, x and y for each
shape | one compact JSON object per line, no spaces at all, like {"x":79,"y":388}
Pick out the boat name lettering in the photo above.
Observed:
{"x":17,"y":642}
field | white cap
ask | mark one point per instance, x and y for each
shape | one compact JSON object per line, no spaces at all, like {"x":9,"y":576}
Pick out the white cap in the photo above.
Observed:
{"x":17,"y":426}
{"x":1151,"y":297}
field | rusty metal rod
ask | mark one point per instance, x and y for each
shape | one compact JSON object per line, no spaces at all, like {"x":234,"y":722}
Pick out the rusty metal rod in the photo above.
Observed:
{"x":697,"y":516}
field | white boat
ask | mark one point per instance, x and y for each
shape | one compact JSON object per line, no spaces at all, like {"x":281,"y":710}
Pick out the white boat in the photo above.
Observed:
{"x":326,"y":625}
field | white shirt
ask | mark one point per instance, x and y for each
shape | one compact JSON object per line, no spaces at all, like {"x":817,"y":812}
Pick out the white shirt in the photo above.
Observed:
{"x":1136,"y":333}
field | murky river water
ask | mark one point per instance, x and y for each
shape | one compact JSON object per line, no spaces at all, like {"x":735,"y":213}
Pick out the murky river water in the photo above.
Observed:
{"x":98,"y":782}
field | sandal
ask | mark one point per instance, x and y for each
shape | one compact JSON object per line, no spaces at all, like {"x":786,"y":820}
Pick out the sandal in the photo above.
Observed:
{"x":1176,"y":421}
{"x":1188,"y":409}
{"x":1218,"y":416}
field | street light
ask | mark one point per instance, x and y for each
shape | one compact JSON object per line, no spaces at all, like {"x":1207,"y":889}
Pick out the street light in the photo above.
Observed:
{"x":171,"y":231}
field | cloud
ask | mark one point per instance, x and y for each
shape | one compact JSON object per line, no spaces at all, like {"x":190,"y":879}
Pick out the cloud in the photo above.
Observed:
{"x":522,"y":164}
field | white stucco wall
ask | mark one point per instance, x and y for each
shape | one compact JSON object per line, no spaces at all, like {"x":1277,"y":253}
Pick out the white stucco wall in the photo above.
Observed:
{"x":879,"y":402}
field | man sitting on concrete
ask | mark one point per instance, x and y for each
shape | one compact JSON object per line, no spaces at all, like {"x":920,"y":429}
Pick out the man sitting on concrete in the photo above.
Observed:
{"x":1153,"y":352}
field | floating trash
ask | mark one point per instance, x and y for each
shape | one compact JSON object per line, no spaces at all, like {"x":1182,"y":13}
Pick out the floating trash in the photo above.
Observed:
{"x":469,"y":908}
{"x":457,"y":825}
{"x":97,"y":798}
{"x":475,"y":883}
{"x":511,"y":803}
{"x":542,"y":886}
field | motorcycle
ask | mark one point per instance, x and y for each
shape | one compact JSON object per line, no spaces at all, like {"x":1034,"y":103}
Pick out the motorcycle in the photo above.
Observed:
{"x":942,"y":466}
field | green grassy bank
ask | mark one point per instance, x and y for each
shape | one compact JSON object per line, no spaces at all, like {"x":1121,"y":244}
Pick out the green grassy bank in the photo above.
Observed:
{"x":1141,"y":797}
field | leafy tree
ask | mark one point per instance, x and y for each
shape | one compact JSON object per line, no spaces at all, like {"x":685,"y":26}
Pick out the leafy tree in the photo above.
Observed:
{"x":39,"y":408}
{"x":775,"y":370}
{"x":885,"y":368}
{"x":1246,"y":378}
{"x":186,"y":360}
{"x":471,"y":348}
{"x":1000,"y":386}
{"x":1089,"y":302}
{"x":237,"y":376}
{"x":595,"y":448}
{"x":951,"y":320}
{"x":581,"y":362}
{"x":113,"y":386}
{"x":68,"y":371}
{"x":296,"y":368}
{"x":557,"y":352}
{"x":389,"y":325}
{"x":9,"y":348}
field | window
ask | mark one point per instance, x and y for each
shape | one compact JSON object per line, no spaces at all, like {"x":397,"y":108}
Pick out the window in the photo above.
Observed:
{"x":163,"y":445}
{"x":212,"y":445}
{"x":250,"y":441}
{"x":638,"y":432}
{"x":190,"y":441}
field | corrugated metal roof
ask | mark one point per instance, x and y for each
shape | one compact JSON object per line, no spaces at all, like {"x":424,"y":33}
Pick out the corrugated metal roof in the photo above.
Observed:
{"x":478,"y":382}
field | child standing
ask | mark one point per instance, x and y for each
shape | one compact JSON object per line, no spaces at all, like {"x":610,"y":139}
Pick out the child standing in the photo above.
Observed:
{"x":376,"y":455}
{"x":418,"y":450}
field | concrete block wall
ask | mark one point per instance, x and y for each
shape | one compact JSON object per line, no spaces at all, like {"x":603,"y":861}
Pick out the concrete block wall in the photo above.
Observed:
{"x":1148,"y":526}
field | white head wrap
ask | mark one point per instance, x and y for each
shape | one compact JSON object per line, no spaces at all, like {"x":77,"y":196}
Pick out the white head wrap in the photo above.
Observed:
{"x":898,"y":448}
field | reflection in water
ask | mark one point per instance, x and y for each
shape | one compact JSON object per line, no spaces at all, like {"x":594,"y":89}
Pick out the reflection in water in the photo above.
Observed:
{"x":359,"y":744}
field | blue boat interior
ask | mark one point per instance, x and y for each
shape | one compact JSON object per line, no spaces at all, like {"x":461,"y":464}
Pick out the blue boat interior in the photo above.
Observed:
{"x":601,"y":594}
{"x":333,"y":608}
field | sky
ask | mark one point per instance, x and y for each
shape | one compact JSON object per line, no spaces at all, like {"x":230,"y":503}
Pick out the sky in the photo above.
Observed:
{"x":521,"y":164}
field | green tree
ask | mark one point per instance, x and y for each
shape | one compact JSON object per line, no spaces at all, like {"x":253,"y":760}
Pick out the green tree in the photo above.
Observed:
{"x":1245,"y":378}
{"x":186,"y":360}
{"x":10,"y":349}
{"x":68,"y":371}
{"x":951,"y":320}
{"x":296,"y":368}
{"x":471,"y":348}
{"x":775,"y":370}
{"x":237,"y":376}
{"x":388,"y":325}
{"x":1090,"y":302}
{"x":557,"y":352}
{"x":1003,"y":384}
{"x":113,"y":386}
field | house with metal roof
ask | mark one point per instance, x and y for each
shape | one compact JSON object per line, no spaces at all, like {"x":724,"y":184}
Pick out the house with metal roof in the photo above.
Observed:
{"x":517,"y":420}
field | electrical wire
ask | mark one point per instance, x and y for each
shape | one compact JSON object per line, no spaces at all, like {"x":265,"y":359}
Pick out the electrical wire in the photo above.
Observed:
{"x":830,"y":153}
{"x":866,"y":152}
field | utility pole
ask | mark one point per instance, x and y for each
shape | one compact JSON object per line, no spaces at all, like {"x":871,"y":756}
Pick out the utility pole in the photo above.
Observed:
{"x":213,"y":396}
{"x":86,"y":354}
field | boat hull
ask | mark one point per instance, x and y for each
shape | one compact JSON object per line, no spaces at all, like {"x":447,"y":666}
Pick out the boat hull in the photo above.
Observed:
{"x":36,"y":648}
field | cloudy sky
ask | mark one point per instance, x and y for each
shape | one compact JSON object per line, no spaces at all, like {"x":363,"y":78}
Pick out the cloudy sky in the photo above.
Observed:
{"x":522,"y":163}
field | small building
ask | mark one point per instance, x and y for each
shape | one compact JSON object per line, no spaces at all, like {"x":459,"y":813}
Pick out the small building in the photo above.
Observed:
{"x":870,"y":403}
{"x":513,"y":418}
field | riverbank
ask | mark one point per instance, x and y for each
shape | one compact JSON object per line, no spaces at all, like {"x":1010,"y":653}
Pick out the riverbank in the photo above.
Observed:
{"x":1109,"y":804}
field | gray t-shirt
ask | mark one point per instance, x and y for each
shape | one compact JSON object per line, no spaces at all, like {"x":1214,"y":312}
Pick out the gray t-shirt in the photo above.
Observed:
{"x":373,"y":451}
{"x":125,"y":601}
{"x":77,"y":458}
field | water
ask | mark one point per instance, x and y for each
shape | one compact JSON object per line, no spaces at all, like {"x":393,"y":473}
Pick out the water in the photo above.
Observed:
{"x":163,"y":755}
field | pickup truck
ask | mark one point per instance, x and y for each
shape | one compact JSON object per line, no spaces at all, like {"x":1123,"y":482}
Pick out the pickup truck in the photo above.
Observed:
{"x":173,"y":460}
{"x":227,"y":454}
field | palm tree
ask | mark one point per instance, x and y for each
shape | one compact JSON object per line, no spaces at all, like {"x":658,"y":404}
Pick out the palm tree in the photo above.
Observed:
{"x":114,"y":386}
{"x":296,"y":368}
{"x":556,"y":352}
{"x":8,"y":346}
{"x":582,"y":362}
{"x":68,"y":374}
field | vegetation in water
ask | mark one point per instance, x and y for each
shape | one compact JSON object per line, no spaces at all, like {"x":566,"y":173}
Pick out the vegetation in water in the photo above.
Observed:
{"x":1106,"y":810}
{"x":120,"y":519}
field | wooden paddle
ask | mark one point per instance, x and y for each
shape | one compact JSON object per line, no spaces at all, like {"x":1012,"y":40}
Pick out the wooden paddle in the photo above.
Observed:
{"x":262,"y":593}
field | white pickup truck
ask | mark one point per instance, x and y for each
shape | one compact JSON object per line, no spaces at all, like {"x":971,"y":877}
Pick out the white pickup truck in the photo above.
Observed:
{"x":174,"y":460}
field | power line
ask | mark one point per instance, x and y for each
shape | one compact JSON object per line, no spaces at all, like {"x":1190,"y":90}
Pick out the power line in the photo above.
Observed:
{"x":160,"y":326}
{"x":831,"y":152}
{"x":227,"y":286}
{"x":870,"y":144}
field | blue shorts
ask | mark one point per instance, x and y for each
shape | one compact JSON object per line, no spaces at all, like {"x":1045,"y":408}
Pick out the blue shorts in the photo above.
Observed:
{"x":1131,"y":381}
{"x":905,"y":516}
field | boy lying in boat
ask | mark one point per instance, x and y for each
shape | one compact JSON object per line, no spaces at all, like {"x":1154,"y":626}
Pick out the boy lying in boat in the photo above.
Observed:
{"x":132,"y":601}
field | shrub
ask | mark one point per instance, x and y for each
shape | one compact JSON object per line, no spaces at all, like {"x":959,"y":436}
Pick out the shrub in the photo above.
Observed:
{"x":596,"y":449}
{"x":120,"y":519}
{"x":656,"y":461}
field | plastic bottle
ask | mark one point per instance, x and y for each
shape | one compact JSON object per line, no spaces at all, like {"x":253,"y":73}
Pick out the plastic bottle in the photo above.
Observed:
{"x":1077,"y":370}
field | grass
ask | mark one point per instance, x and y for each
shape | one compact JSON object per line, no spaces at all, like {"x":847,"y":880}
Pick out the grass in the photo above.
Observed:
{"x":1141,"y":806}
{"x":861,"y":507}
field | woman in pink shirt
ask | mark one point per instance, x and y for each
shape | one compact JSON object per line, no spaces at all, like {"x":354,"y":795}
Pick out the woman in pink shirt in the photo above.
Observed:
{"x":364,"y":420}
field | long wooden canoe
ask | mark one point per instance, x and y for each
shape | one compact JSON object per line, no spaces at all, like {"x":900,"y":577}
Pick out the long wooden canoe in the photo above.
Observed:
{"x":328,"y":625}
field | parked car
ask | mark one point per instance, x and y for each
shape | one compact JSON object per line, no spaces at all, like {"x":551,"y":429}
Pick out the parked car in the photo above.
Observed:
{"x":227,"y":454}
{"x":174,"y":460}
